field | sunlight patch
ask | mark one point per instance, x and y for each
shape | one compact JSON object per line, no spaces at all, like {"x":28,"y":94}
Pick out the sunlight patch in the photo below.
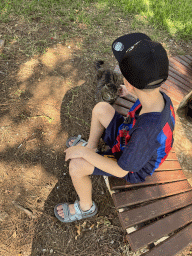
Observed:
{"x":171,"y":26}
{"x":27,"y":69}
{"x":101,"y":5}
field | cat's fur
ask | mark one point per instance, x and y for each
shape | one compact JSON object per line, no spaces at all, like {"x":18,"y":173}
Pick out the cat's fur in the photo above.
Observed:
{"x":108,"y":83}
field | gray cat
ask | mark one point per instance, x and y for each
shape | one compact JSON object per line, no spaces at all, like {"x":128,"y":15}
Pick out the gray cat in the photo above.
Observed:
{"x":108,"y":84}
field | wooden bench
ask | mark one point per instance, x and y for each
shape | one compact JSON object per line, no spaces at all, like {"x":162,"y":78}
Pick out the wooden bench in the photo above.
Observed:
{"x":157,"y":214}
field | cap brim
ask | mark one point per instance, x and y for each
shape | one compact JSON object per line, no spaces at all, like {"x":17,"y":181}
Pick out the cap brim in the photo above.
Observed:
{"x":121,"y":44}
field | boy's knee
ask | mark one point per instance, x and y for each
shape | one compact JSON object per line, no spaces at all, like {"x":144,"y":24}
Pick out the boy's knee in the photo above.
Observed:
{"x":76,"y":167}
{"x":73,"y":167}
{"x":101,"y":108}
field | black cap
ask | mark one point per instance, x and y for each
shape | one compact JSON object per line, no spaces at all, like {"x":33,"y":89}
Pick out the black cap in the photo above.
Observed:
{"x":143,"y":63}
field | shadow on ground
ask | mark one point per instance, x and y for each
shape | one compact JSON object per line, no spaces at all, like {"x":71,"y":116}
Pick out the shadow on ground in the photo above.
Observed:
{"x":51,"y":99}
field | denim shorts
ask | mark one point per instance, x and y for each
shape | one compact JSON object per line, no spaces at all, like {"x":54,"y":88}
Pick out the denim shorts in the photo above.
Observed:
{"x":109,"y":136}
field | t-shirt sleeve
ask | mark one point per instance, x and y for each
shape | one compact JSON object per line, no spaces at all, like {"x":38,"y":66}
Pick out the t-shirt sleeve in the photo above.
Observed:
{"x":137,"y":152}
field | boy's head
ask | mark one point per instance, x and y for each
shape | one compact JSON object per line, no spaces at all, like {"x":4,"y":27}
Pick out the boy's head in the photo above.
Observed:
{"x":146,"y":93}
{"x":143,"y":63}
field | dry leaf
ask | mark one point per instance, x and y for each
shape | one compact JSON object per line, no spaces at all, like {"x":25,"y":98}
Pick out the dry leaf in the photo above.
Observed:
{"x":92,"y":226}
{"x":78,"y":231}
{"x":14,"y":234}
{"x":84,"y":224}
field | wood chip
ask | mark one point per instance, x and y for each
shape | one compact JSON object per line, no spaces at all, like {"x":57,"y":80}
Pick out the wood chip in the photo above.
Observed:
{"x":2,"y":43}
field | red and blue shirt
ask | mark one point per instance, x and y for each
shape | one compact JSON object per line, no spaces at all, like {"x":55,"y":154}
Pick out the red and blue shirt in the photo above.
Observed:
{"x":144,"y":142}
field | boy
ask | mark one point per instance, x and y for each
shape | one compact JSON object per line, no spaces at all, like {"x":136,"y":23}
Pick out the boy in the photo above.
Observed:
{"x":138,"y":144}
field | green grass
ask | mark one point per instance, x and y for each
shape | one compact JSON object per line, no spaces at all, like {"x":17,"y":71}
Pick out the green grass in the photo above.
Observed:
{"x":173,"y":16}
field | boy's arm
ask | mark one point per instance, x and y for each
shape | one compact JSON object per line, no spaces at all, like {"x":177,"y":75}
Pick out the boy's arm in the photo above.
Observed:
{"x":105,"y":164}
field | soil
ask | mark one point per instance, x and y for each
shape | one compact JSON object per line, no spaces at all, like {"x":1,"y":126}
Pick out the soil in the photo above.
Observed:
{"x":45,"y":99}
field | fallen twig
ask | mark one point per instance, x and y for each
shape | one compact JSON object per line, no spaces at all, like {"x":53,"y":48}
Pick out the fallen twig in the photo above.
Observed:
{"x":25,"y":210}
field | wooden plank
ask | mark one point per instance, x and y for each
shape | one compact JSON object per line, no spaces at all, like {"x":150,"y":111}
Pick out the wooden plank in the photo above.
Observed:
{"x":169,"y":165}
{"x":155,"y":209}
{"x":171,"y":156}
{"x":156,"y":178}
{"x":187,"y":67}
{"x":174,"y":91}
{"x":181,"y":78}
{"x":174,"y":244}
{"x":124,"y":103}
{"x":185,"y":59}
{"x":189,"y":57}
{"x":129,"y":97}
{"x":160,"y":228}
{"x":176,"y":63}
{"x":180,"y":68}
{"x":121,"y":110}
{"x":133,"y":197}
{"x":172,"y":150}
{"x":183,"y":87}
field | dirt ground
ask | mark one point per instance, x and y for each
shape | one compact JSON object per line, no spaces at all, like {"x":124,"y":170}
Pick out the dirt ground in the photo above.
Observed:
{"x":44,"y":100}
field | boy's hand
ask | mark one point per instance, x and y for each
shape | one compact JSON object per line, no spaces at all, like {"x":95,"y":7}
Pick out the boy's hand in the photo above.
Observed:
{"x":74,"y":152}
{"x":123,"y":91}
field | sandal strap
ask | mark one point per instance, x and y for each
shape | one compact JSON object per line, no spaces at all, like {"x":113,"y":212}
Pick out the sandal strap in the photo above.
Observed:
{"x":75,"y":142}
{"x":68,"y":216}
{"x":66,"y":211}
{"x":84,"y":144}
{"x":79,"y":214}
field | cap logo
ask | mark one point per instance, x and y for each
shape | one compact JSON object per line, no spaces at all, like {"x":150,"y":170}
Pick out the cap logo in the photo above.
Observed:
{"x":118,"y":46}
{"x":132,"y":47}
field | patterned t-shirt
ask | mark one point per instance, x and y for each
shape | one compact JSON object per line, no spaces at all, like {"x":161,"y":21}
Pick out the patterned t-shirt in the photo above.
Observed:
{"x":143,"y":142}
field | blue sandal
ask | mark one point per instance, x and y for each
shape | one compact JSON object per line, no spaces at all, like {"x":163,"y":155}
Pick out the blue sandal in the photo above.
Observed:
{"x":79,"y":214}
{"x":76,"y":142}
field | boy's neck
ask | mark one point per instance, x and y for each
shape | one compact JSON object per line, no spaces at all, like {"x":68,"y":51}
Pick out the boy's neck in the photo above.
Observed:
{"x":151,"y":103}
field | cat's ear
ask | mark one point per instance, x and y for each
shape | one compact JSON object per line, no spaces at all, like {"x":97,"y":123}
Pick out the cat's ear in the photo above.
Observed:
{"x":98,"y":64}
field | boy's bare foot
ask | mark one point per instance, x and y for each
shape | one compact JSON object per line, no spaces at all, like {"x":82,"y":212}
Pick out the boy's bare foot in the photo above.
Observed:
{"x":80,"y":143}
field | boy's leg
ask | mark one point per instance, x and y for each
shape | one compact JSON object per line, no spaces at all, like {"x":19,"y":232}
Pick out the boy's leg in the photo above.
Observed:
{"x":102,"y":115}
{"x":80,"y":169}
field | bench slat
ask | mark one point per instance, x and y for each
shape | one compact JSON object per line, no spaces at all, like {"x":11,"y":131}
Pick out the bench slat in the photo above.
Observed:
{"x":176,"y":63}
{"x":170,"y":190}
{"x":121,"y":110}
{"x":174,"y":91}
{"x":185,"y":59}
{"x":160,"y":228}
{"x":184,"y":63}
{"x":133,"y":197}
{"x":179,"y":68}
{"x":181,"y":78}
{"x":130,"y":98}
{"x":174,"y":244}
{"x":189,"y":57}
{"x":181,"y":87}
{"x":124,"y":103}
{"x":171,"y":156}
{"x":169,"y":165}
{"x":156,"y":178}
{"x":153,"y":210}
